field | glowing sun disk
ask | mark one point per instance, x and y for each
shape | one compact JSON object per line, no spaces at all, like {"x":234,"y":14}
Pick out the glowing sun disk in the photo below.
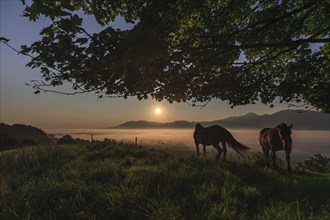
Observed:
{"x":158,"y":111}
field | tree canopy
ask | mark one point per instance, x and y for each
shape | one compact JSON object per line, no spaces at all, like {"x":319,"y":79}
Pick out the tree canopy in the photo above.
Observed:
{"x":239,"y":51}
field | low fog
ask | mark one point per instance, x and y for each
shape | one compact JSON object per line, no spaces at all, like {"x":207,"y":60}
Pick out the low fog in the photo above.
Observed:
{"x":305,"y":143}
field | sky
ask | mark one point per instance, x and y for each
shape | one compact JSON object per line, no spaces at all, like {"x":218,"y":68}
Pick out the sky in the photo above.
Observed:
{"x":19,"y":104}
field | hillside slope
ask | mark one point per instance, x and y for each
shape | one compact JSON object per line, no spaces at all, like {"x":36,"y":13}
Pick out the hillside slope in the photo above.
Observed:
{"x":121,"y":182}
{"x":18,"y":133}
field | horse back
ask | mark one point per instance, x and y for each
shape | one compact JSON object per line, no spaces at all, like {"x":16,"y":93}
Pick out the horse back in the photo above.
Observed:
{"x":269,"y":138}
{"x":210,"y":135}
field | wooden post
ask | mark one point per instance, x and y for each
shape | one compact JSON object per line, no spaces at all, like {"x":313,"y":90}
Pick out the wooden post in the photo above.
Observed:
{"x":135,"y":142}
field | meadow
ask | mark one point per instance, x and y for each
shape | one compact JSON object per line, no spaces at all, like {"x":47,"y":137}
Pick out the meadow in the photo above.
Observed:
{"x":118,"y":181}
{"x":306,"y":143}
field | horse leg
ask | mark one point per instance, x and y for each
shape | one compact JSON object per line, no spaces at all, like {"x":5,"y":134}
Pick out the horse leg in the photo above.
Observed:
{"x":224,"y":146}
{"x":288,"y":160}
{"x":204,"y":149}
{"x":274,"y":158}
{"x":197,"y":149}
{"x":266,"y":152}
{"x":216,"y":146}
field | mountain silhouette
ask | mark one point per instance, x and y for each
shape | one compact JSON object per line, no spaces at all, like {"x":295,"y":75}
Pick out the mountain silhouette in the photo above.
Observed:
{"x":310,"y":120}
{"x":142,"y":124}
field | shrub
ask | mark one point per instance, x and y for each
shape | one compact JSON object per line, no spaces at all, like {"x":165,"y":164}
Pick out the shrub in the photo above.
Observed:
{"x":317,"y":163}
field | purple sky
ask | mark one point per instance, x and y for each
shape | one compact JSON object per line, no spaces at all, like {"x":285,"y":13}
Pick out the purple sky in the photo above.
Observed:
{"x":48,"y":110}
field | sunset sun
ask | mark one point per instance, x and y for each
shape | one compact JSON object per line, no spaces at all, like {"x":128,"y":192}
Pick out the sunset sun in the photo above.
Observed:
{"x":158,"y":111}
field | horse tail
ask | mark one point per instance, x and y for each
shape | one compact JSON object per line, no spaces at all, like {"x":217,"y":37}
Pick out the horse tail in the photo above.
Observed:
{"x":234,"y":144}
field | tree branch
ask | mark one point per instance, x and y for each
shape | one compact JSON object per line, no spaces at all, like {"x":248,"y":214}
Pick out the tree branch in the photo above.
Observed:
{"x":19,"y":52}
{"x":293,"y":43}
{"x":275,"y":20}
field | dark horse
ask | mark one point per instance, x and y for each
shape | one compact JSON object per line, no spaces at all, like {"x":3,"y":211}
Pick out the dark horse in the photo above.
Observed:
{"x":275,"y":139}
{"x":213,"y":135}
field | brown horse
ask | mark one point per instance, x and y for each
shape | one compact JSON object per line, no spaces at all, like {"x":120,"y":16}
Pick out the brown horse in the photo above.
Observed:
{"x":213,"y":135}
{"x":275,"y":139}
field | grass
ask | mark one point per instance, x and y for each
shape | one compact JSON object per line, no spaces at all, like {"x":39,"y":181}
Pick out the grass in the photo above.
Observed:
{"x":120,"y":182}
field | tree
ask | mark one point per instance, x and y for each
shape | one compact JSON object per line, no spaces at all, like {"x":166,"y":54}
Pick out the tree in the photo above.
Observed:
{"x":240,"y":51}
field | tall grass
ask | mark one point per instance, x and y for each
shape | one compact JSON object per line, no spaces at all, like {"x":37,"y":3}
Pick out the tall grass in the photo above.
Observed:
{"x":120,"y":182}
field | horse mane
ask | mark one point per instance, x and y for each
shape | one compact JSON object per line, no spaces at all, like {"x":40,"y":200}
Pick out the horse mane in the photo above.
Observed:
{"x":198,"y":126}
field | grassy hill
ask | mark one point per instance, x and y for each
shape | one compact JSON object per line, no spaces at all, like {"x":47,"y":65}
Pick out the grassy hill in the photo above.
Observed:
{"x":120,"y":182}
{"x":20,"y":134}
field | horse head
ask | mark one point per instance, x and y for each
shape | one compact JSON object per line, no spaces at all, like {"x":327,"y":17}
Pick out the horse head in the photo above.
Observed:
{"x":198,"y":126}
{"x":284,"y":132}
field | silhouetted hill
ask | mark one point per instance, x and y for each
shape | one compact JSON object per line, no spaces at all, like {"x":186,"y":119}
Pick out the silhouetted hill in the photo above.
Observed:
{"x":19,"y":134}
{"x":146,"y":125}
{"x":303,"y":121}
{"x":310,"y":120}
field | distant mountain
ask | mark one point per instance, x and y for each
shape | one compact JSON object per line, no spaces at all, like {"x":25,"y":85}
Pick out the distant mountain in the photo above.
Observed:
{"x":310,"y":120}
{"x":146,"y":124}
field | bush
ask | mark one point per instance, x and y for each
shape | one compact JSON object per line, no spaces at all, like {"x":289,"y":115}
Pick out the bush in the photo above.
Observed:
{"x":317,"y":163}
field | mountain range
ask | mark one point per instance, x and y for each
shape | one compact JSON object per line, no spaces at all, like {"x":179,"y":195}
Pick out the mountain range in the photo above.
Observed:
{"x":310,"y":120}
